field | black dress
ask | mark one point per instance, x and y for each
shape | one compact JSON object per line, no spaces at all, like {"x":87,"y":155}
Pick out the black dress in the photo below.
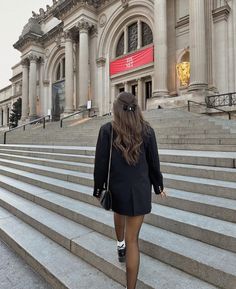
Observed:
{"x":130,"y":185}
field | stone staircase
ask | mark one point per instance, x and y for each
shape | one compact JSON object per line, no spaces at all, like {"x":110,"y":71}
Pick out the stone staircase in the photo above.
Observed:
{"x":175,"y":130}
{"x":49,"y":217}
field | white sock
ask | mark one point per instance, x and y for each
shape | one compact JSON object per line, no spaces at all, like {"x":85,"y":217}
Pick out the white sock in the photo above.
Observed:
{"x":121,"y":244}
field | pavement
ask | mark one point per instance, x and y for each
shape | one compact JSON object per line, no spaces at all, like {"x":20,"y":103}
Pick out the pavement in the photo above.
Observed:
{"x":17,"y":274}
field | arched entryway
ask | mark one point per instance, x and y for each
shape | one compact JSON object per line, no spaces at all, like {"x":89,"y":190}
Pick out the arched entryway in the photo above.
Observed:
{"x":58,"y":90}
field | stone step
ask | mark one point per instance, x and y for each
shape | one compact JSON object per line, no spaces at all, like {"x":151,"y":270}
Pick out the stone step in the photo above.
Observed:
{"x":89,"y":248}
{"x":219,"y":173}
{"x":160,"y":244}
{"x":209,"y":172}
{"x":199,"y":185}
{"x":217,"y":148}
{"x":82,"y":154}
{"x":215,"y":207}
{"x":49,"y":148}
{"x":202,"y":141}
{"x":58,"y":266}
{"x":211,"y":206}
{"x":55,"y":156}
{"x":216,"y":232}
{"x":82,"y":167}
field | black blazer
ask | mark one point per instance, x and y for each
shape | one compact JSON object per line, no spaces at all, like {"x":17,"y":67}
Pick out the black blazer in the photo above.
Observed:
{"x":130,"y":185}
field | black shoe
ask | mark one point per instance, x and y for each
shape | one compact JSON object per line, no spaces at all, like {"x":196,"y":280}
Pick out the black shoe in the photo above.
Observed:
{"x":121,"y":254}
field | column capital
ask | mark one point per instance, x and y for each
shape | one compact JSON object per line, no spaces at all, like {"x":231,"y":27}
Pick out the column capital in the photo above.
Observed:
{"x":25,"y":62}
{"x":68,"y":35}
{"x":33,"y":57}
{"x":94,"y":31}
{"x":83,"y":26}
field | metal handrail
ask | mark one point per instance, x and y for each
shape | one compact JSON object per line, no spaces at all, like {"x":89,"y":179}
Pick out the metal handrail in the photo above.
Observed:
{"x":205,"y":104}
{"x":225,"y":99}
{"x":70,"y":115}
{"x":24,"y":125}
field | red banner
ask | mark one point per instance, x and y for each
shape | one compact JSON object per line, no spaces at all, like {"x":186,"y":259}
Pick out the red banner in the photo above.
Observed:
{"x":131,"y":61}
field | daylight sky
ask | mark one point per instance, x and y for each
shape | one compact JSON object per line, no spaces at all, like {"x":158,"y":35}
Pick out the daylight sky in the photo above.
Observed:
{"x":14,"y":14}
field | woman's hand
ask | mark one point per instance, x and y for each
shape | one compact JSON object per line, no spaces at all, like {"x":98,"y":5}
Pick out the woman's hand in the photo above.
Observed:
{"x":163,"y":194}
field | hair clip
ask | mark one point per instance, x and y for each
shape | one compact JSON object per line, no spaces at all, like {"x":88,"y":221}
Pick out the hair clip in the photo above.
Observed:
{"x":129,"y":107}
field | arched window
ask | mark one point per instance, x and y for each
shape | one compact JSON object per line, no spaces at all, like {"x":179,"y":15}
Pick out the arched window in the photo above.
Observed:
{"x":60,"y":70}
{"x":147,"y":37}
{"x":132,"y":42}
{"x":133,"y":37}
{"x":120,"y":46}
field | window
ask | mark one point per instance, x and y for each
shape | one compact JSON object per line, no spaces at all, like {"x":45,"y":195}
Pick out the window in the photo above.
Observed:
{"x":120,"y":46}
{"x":147,"y":37}
{"x":133,"y":37}
{"x":133,"y":40}
{"x":60,"y":71}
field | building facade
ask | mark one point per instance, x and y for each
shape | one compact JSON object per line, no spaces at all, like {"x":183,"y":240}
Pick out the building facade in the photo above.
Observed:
{"x":163,"y":51}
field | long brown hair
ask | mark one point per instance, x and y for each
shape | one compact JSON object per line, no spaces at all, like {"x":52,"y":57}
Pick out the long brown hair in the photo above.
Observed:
{"x":129,"y":126}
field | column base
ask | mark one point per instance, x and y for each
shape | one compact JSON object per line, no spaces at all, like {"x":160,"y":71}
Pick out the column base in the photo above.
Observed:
{"x":161,"y":93}
{"x":197,"y":86}
{"x":32,"y":117}
{"x":68,"y":111}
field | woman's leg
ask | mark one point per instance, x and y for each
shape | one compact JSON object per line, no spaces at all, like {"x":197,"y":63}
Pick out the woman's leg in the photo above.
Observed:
{"x":133,"y":226}
{"x":119,"y":221}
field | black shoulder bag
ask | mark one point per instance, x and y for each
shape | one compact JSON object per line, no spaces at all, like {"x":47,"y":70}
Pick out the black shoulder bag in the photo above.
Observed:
{"x":106,"y":197}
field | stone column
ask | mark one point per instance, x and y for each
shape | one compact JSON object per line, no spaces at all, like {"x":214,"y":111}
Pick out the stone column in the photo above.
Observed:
{"x":33,"y":86}
{"x":93,"y":67}
{"x":197,"y":28}
{"x":13,"y":89}
{"x":140,"y":93}
{"x":234,"y":28}
{"x":1,"y":115}
{"x":25,"y":89}
{"x":126,"y":39}
{"x":160,"y":49}
{"x":220,"y":17}
{"x":139,"y":34}
{"x":5,"y":115}
{"x":69,"y":72}
{"x":101,"y":87}
{"x":126,"y":86}
{"x":209,"y":44}
{"x":83,"y":62}
{"x":41,"y":89}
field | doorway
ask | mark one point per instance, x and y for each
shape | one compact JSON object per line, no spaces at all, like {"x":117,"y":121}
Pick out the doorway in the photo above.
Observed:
{"x":58,"y":99}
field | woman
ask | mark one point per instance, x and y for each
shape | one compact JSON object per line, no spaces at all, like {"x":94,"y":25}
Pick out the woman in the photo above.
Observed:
{"x":134,"y":169}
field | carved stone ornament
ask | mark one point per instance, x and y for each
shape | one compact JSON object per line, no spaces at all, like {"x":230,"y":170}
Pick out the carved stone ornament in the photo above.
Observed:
{"x":125,"y":3}
{"x":25,"y":62}
{"x":33,"y":57}
{"x":101,"y":61}
{"x":102,"y":20}
{"x":68,"y":35}
{"x":83,"y":26}
{"x":94,"y":31}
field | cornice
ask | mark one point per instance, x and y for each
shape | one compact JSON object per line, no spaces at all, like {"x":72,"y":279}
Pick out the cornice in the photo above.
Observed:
{"x":39,"y":40}
{"x":221,"y":13}
{"x":16,"y":77}
{"x":64,"y":7}
{"x":183,"y":21}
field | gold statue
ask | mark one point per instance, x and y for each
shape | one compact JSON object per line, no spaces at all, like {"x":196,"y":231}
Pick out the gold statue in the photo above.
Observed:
{"x":183,"y":72}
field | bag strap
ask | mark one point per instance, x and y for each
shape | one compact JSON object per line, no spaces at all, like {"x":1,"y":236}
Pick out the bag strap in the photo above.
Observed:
{"x":109,"y":165}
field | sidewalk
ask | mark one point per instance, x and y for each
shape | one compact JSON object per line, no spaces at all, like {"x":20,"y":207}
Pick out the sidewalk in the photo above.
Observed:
{"x":16,"y":274}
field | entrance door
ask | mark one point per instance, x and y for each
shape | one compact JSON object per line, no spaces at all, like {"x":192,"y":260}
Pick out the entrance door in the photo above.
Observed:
{"x":121,"y":89}
{"x":148,"y":89}
{"x":134,"y":89}
{"x":58,"y":99}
